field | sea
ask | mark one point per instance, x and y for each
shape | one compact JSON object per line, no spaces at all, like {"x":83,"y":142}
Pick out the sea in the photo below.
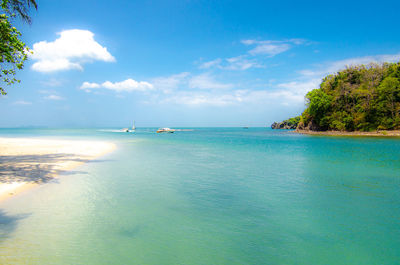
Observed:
{"x":211,"y":196}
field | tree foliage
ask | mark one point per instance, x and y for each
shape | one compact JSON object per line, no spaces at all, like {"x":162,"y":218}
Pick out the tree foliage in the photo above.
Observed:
{"x":13,"y":51}
{"x":361,"y":98}
{"x":18,"y":7}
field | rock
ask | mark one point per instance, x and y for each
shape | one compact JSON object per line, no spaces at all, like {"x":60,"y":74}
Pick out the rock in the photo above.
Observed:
{"x":283,"y":125}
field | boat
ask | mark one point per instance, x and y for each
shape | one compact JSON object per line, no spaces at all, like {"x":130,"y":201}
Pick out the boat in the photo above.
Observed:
{"x":165,"y":130}
{"x":245,"y":127}
{"x":127,"y":129}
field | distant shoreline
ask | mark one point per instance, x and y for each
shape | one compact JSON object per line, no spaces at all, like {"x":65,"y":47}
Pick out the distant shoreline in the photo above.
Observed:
{"x":29,"y":162}
{"x":395,"y":133}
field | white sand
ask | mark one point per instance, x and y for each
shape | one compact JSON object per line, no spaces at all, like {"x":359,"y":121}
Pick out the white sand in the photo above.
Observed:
{"x":26,"y":162}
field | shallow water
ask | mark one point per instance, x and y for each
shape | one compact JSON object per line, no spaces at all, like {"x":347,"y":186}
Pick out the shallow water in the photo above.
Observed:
{"x":212,"y":196}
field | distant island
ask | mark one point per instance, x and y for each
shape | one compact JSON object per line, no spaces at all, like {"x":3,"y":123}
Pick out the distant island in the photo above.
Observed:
{"x":363,"y":98}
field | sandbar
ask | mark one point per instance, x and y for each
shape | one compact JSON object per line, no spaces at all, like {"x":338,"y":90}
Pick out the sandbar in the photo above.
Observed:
{"x":28,"y":162}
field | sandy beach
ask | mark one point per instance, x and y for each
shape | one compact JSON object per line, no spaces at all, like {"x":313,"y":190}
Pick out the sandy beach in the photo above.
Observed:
{"x":28,"y":162}
{"x":338,"y":133}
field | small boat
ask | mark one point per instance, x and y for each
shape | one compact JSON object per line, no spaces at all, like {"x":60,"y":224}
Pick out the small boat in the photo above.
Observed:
{"x":245,"y":127}
{"x":133,"y":126}
{"x":127,"y":129}
{"x":165,"y":130}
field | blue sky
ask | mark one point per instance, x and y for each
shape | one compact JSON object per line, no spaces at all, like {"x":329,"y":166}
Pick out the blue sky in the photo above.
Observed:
{"x":189,"y":63}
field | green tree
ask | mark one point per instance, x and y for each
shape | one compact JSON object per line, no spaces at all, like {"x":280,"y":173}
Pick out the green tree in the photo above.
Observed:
{"x":13,"y":51}
{"x":387,"y":103}
{"x":318,"y":103}
{"x":364,"y":98}
{"x":388,"y":94}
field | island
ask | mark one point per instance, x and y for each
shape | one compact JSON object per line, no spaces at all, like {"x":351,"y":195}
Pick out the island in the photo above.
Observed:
{"x":361,"y":100}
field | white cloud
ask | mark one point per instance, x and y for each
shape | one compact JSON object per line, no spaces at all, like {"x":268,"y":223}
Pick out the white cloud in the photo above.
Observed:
{"x":182,"y":88}
{"x":241,"y":63}
{"x":72,"y":49}
{"x":271,"y":47}
{"x":290,"y":94}
{"x":210,"y":64}
{"x":206,"y":91}
{"x":299,"y":41}
{"x":249,"y":42}
{"x":200,"y":98}
{"x":339,"y":65}
{"x":234,"y":63}
{"x":332,"y":67}
{"x":50,"y":95}
{"x":52,"y":82}
{"x":170,"y":83}
{"x":22,"y":102}
{"x":53,"y":97}
{"x":127,"y":85}
{"x":53,"y":65}
{"x":287,"y":94}
{"x":43,"y":91}
{"x":166,"y":85}
{"x":205,"y":81}
{"x":301,"y":87}
{"x":88,"y":85}
{"x":185,"y":81}
{"x":295,"y":91}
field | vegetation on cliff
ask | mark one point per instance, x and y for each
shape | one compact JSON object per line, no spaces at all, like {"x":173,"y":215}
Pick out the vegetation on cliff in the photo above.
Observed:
{"x":287,"y":124}
{"x":359,"y":98}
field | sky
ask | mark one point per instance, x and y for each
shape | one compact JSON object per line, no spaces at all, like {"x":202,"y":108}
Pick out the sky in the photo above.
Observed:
{"x":189,"y":63}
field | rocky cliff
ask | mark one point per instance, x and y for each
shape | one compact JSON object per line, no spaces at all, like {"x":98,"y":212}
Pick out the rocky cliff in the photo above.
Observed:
{"x":289,"y":124}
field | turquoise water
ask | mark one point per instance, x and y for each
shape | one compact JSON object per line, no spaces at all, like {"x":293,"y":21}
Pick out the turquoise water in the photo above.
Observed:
{"x":212,"y":196}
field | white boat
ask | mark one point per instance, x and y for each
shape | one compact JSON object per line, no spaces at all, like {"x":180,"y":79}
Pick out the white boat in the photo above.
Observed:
{"x":165,"y":130}
{"x":127,"y":129}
